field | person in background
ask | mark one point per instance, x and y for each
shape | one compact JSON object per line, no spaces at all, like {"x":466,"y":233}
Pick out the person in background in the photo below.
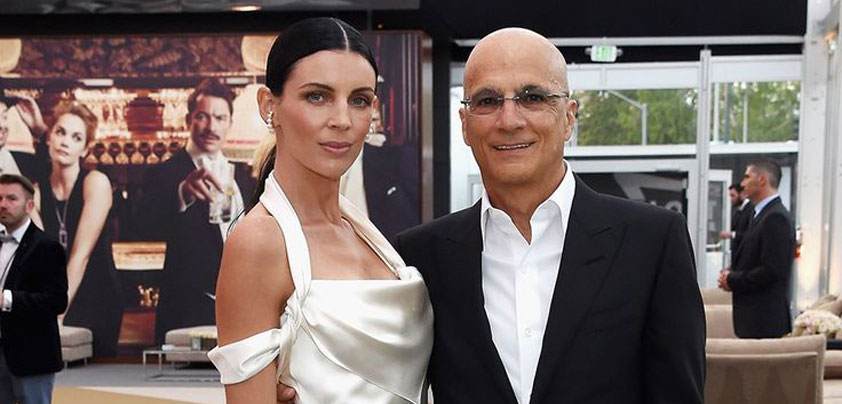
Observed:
{"x":75,"y":205}
{"x":175,"y":206}
{"x":34,"y":291}
{"x":741,"y":212}
{"x":762,"y":271}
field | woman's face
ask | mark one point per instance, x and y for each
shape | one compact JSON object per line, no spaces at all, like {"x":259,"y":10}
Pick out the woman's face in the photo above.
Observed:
{"x":67,"y":140}
{"x":324,"y":112}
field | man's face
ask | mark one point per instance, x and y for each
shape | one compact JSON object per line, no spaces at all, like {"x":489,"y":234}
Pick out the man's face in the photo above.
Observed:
{"x":516,"y":145}
{"x":15,"y":205}
{"x":209,"y":123}
{"x":4,"y":124}
{"x":752,"y":183}
{"x":735,"y":196}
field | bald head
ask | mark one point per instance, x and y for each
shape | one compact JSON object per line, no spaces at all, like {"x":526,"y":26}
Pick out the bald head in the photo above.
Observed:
{"x":508,"y":49}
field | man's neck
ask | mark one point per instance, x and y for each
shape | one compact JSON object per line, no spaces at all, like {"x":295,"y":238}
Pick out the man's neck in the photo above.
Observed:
{"x":11,"y":228}
{"x":762,"y":195}
{"x":521,"y":201}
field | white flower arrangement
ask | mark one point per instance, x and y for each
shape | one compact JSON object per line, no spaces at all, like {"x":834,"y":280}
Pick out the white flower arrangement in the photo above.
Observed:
{"x":814,"y":322}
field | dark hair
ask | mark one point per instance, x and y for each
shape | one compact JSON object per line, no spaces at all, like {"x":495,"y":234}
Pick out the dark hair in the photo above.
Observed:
{"x":24,"y":182}
{"x":211,"y":87}
{"x":298,"y":41}
{"x":736,"y":187}
{"x":771,"y":169}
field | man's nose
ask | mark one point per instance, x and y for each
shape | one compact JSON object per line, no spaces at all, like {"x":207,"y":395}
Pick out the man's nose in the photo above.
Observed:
{"x":510,"y":116}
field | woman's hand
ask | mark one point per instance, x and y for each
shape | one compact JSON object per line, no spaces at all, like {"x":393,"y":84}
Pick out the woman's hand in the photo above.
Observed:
{"x":286,"y":394}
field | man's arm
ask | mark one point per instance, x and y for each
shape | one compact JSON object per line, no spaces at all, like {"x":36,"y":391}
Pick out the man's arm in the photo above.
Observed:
{"x":674,"y":336}
{"x":51,"y":298}
{"x":777,"y":246}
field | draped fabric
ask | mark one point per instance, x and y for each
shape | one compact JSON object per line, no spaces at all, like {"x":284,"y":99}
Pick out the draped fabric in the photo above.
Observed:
{"x":340,"y":341}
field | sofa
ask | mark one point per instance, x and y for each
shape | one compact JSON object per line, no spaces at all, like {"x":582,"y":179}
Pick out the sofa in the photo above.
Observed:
{"x":181,"y":340}
{"x":774,"y":370}
{"x":76,"y":344}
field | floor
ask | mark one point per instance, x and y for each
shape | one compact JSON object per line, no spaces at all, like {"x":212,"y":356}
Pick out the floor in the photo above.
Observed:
{"x":126,"y":384}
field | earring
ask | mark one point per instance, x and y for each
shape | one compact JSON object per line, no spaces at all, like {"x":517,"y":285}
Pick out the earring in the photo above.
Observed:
{"x":270,"y":122}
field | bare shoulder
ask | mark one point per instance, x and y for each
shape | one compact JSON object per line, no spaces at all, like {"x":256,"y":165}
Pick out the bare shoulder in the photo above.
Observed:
{"x":257,"y":235}
{"x":96,"y":181}
{"x":254,"y":252}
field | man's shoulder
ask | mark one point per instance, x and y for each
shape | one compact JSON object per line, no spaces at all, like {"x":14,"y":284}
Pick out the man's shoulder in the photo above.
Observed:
{"x":629,"y":210}
{"x":445,"y":225}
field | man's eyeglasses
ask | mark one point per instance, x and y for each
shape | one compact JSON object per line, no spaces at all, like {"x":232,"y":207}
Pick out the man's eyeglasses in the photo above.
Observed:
{"x":488,"y":102}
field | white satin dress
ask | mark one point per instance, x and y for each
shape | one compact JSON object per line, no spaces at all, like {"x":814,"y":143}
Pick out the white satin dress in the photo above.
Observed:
{"x":340,"y":341}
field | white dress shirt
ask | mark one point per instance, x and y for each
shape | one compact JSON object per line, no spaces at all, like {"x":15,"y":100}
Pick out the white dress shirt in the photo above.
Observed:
{"x":7,"y":255}
{"x":237,"y":204}
{"x":518,"y":279}
{"x":762,"y":204}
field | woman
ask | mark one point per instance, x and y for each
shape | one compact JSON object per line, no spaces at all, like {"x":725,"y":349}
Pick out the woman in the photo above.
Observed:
{"x":74,"y":206}
{"x":356,"y":324}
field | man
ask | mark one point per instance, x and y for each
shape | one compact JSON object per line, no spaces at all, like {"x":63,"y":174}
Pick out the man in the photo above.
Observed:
{"x":545,"y":291}
{"x":177,"y":195}
{"x":33,"y":166}
{"x":760,"y":276}
{"x":34,"y":284}
{"x":741,"y":212}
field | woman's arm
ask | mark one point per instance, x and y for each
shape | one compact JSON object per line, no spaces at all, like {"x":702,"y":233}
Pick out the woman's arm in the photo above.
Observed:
{"x":96,"y":193}
{"x":253,"y":287}
{"x":35,"y":215}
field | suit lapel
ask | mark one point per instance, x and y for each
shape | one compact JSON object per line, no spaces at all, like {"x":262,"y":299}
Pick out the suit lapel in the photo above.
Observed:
{"x":462,"y":261}
{"x":20,"y":256}
{"x":754,"y":221}
{"x":590,"y":244}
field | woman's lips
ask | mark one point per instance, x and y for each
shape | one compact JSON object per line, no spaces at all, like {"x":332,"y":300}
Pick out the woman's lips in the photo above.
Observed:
{"x":336,"y":147}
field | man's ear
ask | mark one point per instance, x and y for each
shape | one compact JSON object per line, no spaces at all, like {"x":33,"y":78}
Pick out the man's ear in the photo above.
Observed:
{"x":572,"y":113}
{"x":463,"y":116}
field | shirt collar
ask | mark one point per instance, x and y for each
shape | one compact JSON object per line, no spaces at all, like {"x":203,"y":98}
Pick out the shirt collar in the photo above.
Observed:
{"x":18,"y":234}
{"x":561,"y":198}
{"x":744,"y":203}
{"x":762,"y":204}
{"x":196,"y":154}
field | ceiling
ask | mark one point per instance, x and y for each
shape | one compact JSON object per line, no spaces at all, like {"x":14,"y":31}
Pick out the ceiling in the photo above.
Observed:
{"x":444,"y":20}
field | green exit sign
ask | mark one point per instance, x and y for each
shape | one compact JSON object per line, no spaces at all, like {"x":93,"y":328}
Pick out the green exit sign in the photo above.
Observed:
{"x":604,"y":53}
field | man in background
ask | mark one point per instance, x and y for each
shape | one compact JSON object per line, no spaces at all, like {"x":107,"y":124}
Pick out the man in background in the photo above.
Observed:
{"x":33,"y":279}
{"x":741,"y":213}
{"x":177,"y":194}
{"x":760,"y":276}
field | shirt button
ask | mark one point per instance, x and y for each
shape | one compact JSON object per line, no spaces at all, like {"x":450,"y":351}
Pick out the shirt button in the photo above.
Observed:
{"x":527,"y":332}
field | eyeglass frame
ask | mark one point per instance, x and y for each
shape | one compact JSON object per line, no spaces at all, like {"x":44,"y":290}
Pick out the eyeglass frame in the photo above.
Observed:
{"x":516,"y":98}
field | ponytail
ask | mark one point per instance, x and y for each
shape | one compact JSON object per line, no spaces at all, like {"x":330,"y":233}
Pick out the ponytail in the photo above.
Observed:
{"x":263,"y":162}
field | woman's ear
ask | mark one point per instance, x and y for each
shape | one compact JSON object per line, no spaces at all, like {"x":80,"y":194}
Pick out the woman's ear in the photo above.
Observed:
{"x":265,"y":103}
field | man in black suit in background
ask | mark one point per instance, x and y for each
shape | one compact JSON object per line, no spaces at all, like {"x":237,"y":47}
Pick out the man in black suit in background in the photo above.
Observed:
{"x":741,"y":213}
{"x":176,"y":207}
{"x":545,"y":291}
{"x":34,"y":285}
{"x":760,"y":276}
{"x":33,"y":166}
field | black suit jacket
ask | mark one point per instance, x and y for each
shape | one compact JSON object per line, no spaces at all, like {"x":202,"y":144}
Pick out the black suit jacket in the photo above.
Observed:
{"x":760,"y":277}
{"x":38,"y":281}
{"x":35,"y":167}
{"x":740,"y":219}
{"x":194,"y":246}
{"x":626,"y":322}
